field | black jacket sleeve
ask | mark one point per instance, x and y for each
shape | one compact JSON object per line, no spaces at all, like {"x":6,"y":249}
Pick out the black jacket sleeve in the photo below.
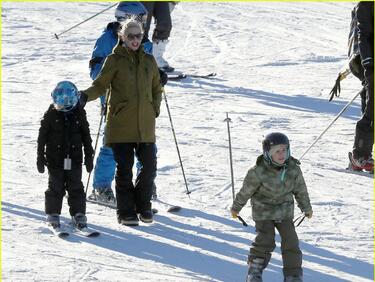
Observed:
{"x":43,"y":134}
{"x":365,"y":16}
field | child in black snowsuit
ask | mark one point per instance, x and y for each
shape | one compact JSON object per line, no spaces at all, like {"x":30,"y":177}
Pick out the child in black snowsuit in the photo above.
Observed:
{"x":63,"y":131}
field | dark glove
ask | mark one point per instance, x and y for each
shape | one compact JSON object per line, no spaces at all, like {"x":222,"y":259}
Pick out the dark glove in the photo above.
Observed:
{"x":89,"y":163}
{"x":40,"y":163}
{"x":157,"y":113}
{"x":82,"y":99}
{"x":163,"y":77}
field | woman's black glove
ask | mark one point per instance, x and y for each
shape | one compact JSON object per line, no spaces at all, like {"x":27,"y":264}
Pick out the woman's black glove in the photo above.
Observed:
{"x":82,"y":99}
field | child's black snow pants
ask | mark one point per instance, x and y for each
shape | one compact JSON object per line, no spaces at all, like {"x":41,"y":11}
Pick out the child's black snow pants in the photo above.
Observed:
{"x":59,"y":181}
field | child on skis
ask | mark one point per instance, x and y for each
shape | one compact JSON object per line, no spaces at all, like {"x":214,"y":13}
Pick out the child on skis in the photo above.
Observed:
{"x":63,"y":131}
{"x":271,"y":185}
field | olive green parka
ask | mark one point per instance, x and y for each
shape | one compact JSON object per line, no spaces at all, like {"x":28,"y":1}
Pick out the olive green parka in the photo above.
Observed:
{"x":272,"y":193}
{"x":134,"y":89}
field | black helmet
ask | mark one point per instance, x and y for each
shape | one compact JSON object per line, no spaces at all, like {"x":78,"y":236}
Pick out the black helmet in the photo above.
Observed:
{"x":272,"y":139}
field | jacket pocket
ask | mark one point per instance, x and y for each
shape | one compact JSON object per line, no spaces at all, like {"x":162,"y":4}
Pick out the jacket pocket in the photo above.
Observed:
{"x":120,"y":107}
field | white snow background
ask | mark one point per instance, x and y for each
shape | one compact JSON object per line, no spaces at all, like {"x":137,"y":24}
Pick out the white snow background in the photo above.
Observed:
{"x":275,"y":64}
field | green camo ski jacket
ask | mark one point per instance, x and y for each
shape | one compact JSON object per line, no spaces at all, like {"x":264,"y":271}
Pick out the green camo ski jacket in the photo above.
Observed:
{"x":271,"y":198}
{"x":134,"y":95}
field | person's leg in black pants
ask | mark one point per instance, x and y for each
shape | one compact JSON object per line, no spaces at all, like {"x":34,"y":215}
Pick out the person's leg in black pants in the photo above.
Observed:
{"x":364,"y":134}
{"x":146,"y":154}
{"x":125,"y":192}
{"x":56,"y":190}
{"x":76,"y":192}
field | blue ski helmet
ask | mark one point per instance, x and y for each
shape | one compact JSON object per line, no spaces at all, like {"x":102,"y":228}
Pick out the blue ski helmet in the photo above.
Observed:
{"x":273,"y":139}
{"x":65,"y":96}
{"x":126,"y":10}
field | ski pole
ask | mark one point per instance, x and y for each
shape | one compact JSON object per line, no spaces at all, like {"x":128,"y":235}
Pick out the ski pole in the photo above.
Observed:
{"x":97,"y":138}
{"x":65,"y":31}
{"x":228,"y":120}
{"x":243,"y":221}
{"x":175,"y":141}
{"x":325,"y":130}
{"x":300,"y":218}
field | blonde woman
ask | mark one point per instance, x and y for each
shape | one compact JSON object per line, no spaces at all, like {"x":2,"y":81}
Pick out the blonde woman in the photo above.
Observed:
{"x":133,"y":79}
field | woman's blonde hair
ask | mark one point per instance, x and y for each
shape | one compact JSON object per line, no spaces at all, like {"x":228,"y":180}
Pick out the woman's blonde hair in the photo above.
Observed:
{"x":129,"y":23}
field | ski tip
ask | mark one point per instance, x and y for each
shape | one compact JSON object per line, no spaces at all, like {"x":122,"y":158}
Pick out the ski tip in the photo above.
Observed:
{"x":63,"y":234}
{"x":174,"y":209}
{"x":94,"y":234}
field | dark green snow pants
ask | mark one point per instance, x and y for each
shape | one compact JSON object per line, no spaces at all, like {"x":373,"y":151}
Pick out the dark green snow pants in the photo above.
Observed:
{"x":264,"y":244}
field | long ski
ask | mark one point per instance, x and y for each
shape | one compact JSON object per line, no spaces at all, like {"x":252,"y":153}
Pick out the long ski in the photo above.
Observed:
{"x":170,"y":208}
{"x":180,"y":76}
{"x":112,"y":205}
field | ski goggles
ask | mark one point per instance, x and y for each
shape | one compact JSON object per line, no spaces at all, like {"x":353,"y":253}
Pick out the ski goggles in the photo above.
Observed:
{"x":132,"y":37}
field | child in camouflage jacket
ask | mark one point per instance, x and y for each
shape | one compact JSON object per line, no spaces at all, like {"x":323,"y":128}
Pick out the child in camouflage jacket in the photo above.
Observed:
{"x":271,"y":185}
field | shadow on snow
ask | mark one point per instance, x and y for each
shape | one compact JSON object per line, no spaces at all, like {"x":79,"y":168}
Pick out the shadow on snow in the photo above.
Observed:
{"x":203,"y":256}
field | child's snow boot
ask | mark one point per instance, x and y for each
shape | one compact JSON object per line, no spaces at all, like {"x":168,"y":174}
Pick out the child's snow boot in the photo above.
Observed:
{"x":53,"y":220}
{"x":79,"y":220}
{"x":256,"y":267}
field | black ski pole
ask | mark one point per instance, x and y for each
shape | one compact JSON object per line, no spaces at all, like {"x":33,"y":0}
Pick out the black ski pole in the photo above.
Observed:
{"x":301,"y":218}
{"x":228,"y":120}
{"x":175,"y":141}
{"x":97,"y":138}
{"x":333,"y":121}
{"x":243,"y":221}
{"x":65,"y":31}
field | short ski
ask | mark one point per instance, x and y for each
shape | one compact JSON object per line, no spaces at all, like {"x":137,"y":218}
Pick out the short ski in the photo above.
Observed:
{"x":179,"y":76}
{"x":87,"y":231}
{"x":58,"y":231}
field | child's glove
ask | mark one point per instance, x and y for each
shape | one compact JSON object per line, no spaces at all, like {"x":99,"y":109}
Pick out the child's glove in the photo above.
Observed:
{"x":89,"y":163}
{"x":234,"y":213}
{"x":40,"y":163}
{"x":309,"y":214}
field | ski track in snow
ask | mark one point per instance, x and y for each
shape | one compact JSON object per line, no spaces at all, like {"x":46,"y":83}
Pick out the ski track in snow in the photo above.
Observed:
{"x":276,"y":63}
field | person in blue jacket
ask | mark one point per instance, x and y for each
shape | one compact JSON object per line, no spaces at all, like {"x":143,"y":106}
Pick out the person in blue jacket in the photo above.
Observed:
{"x":105,"y":166}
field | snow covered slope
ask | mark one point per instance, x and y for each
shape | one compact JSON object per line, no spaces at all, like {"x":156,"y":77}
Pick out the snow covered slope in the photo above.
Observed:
{"x":276,"y":63}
